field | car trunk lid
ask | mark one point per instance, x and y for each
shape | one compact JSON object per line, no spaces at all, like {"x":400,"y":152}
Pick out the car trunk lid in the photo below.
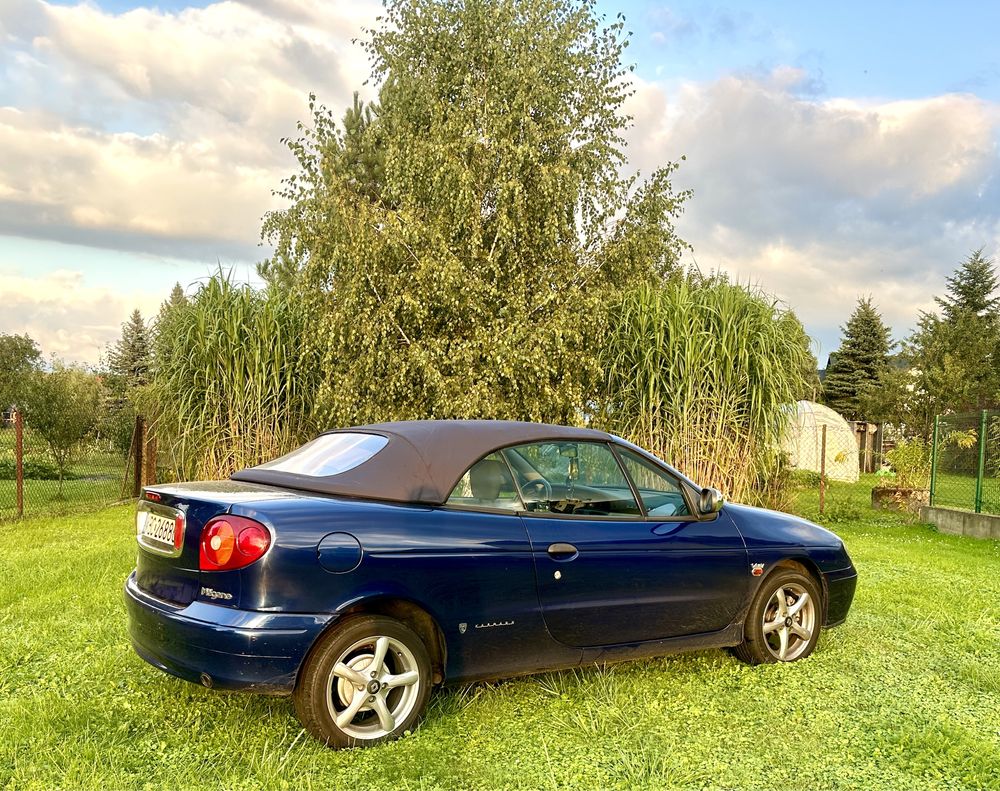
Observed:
{"x":169,"y":521}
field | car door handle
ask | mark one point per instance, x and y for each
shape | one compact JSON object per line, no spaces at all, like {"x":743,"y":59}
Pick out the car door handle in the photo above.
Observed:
{"x":560,"y":551}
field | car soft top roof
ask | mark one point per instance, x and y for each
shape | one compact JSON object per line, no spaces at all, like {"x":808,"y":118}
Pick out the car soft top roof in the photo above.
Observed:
{"x":422,"y":460}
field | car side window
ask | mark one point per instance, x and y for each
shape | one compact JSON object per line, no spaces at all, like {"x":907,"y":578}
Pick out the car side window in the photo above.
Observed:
{"x":571,"y":478}
{"x":487,"y":484}
{"x":660,"y":491}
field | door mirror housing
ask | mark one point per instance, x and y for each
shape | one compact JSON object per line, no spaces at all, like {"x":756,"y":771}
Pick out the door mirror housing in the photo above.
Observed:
{"x":710,"y":501}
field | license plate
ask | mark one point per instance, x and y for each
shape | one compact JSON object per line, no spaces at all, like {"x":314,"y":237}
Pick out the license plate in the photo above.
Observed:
{"x":159,"y":532}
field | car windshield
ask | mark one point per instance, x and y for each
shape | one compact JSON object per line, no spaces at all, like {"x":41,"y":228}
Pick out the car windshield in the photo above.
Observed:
{"x":329,"y":454}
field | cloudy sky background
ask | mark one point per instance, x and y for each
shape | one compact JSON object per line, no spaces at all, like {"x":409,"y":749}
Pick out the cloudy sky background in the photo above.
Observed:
{"x":834,"y":152}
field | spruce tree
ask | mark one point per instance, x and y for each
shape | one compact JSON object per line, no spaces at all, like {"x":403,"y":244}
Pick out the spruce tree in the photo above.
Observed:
{"x":128,"y":359}
{"x":958,"y":353}
{"x":971,"y":289}
{"x":861,"y":361}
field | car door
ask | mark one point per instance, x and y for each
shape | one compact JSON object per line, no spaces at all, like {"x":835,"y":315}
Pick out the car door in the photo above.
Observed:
{"x":610,"y":569}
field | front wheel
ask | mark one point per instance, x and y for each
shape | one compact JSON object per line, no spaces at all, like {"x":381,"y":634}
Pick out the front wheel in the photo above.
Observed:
{"x":784,"y":620}
{"x":366,"y":682}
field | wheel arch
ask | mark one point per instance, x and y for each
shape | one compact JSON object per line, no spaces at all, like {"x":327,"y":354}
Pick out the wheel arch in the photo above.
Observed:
{"x":405,"y":611}
{"x":806,"y":565}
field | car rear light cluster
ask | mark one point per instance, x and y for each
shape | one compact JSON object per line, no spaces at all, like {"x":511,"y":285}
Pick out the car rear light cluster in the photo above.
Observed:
{"x":232,"y":542}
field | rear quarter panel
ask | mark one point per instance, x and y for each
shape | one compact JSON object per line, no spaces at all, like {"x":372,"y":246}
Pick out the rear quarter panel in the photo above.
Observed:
{"x":472,"y":572}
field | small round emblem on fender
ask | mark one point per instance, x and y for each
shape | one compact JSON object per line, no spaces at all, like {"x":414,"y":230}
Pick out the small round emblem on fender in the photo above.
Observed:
{"x":757,"y":569}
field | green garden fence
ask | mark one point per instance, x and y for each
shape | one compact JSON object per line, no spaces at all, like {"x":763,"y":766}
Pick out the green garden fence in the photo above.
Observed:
{"x":965,"y":461}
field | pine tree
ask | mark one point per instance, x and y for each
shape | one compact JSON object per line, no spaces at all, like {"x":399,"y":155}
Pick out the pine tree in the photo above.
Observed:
{"x":861,"y":361}
{"x":128,"y":359}
{"x":971,"y":289}
{"x":177,"y":297}
{"x":957,"y":354}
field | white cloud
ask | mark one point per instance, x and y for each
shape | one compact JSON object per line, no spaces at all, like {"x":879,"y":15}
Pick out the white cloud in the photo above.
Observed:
{"x":65,"y":316}
{"x":159,"y":132}
{"x":146,"y":127}
{"x":822,"y":201}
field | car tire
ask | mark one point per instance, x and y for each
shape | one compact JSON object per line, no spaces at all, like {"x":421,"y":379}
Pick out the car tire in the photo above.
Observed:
{"x":782,"y":627}
{"x":345,"y":700}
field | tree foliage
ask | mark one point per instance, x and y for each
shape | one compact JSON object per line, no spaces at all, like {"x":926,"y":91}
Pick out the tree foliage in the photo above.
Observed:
{"x":857,"y":366}
{"x":61,"y":406}
{"x":971,"y":289}
{"x":129,"y":358}
{"x":458,"y":242}
{"x":19,"y":358}
{"x":951,"y":361}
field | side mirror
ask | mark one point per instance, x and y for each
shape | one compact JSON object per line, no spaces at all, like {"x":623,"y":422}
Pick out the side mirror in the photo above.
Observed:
{"x":711,"y":501}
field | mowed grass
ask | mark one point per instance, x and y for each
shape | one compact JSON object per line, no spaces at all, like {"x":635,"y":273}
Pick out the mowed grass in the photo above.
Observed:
{"x":905,"y":695}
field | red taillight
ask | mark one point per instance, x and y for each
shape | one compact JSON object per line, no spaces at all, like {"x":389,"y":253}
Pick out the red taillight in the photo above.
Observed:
{"x":232,"y":542}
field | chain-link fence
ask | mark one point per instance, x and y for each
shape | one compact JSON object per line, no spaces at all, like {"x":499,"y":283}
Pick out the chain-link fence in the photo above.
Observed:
{"x":47,"y":467}
{"x":965,"y":466}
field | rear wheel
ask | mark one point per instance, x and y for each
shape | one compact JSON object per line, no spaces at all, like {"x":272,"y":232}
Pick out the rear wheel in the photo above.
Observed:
{"x":784,"y":620}
{"x":366,"y":682}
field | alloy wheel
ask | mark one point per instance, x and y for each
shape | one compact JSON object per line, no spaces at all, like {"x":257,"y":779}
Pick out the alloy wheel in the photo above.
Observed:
{"x":789,"y":621}
{"x":375,"y":685}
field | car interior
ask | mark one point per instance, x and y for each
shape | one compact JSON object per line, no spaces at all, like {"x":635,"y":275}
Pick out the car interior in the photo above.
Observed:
{"x":568,"y":478}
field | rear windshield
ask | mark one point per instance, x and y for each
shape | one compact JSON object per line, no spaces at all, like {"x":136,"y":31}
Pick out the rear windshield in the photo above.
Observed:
{"x":329,"y":454}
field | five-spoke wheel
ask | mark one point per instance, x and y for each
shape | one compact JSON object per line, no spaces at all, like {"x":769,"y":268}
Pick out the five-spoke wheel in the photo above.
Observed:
{"x":367,"y":681}
{"x":784,"y":620}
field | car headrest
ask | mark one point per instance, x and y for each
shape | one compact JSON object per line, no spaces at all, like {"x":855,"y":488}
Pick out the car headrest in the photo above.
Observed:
{"x":487,"y":477}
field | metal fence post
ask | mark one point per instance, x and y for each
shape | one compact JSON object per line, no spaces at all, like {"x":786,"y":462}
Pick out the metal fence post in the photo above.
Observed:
{"x":934,"y":456}
{"x":982,"y":462}
{"x":822,"y":470}
{"x":19,"y":460}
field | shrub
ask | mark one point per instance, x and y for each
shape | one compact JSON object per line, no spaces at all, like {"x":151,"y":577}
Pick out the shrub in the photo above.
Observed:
{"x":911,"y":463}
{"x":34,"y":471}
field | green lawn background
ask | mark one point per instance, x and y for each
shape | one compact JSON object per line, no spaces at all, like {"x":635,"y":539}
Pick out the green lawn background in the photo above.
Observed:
{"x":905,"y":695}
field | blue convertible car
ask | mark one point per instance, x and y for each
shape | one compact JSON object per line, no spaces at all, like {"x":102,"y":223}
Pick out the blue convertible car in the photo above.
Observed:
{"x":374,"y":562}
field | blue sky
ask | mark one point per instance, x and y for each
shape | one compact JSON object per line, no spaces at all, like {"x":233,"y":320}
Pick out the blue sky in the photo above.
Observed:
{"x":835,"y":150}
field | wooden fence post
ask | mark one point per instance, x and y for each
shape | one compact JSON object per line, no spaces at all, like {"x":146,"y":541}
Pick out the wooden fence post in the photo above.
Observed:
{"x":149,"y":457}
{"x":822,"y":470}
{"x":19,"y":460}
{"x":137,"y":443}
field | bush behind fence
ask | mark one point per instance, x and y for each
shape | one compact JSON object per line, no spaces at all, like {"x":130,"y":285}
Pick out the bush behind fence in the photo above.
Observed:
{"x":60,"y":477}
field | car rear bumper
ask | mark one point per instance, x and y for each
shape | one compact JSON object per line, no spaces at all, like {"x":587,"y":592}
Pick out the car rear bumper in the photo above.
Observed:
{"x":218,"y":646}
{"x":840,"y":587}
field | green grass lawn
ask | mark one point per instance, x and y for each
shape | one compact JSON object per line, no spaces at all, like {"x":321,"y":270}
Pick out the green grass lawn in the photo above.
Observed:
{"x":905,"y":695}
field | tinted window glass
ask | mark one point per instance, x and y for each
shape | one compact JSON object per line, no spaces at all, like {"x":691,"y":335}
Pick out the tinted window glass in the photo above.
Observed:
{"x":329,"y":454}
{"x":660,"y":491}
{"x":573,"y":478}
{"x":487,"y":484}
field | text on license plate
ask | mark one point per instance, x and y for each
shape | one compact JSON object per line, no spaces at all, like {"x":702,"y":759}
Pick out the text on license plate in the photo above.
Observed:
{"x":158,"y":528}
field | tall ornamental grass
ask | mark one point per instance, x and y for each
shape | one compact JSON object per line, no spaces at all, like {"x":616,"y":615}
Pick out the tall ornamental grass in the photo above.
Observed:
{"x":700,"y":373}
{"x":233,"y":381}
